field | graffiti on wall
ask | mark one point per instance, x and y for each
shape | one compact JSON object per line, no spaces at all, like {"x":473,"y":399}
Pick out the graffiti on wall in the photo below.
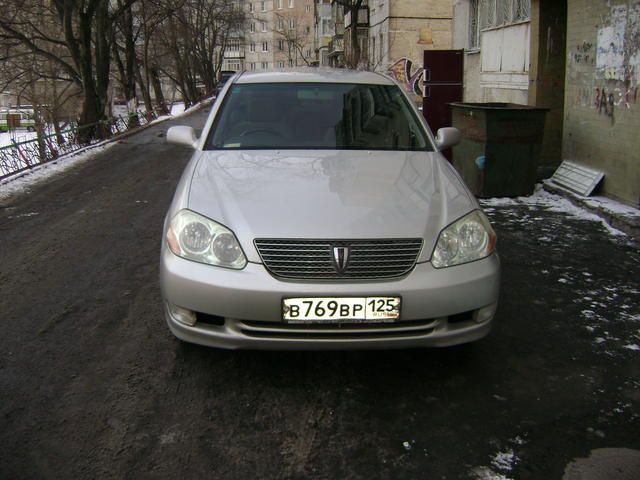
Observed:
{"x":584,"y":54}
{"x":609,"y":71}
{"x":401,"y":71}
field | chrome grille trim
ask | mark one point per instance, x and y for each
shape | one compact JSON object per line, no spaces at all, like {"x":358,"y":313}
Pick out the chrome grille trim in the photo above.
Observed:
{"x":312,"y":259}
{"x":347,"y":331}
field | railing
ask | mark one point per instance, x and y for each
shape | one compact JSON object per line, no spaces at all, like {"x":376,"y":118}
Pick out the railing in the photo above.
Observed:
{"x":20,"y":156}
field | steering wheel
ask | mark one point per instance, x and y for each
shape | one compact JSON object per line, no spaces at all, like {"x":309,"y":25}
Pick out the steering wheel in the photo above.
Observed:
{"x":260,"y":129}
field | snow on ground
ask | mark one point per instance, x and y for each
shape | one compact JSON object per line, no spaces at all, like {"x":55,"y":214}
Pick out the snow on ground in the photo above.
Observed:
{"x":502,"y":463}
{"x":22,"y":135}
{"x":17,"y":136}
{"x":604,"y":203}
{"x":24,"y":180}
{"x":556,"y":203}
{"x":602,"y":304}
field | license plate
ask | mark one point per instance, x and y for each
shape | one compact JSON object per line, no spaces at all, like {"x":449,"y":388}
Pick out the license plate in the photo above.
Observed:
{"x":341,"y":309}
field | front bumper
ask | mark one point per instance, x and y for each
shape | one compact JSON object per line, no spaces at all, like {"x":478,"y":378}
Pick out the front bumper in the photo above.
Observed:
{"x":248,"y":303}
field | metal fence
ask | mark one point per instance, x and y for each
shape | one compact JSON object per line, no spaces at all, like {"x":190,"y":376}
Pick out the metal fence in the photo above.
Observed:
{"x":20,"y":156}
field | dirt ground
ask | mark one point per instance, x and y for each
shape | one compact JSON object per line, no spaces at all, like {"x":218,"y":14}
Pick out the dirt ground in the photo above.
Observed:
{"x":93,"y":385}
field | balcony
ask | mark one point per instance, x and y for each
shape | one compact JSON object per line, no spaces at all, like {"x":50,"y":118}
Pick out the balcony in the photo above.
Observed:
{"x":336,"y":45}
{"x":363,"y":18}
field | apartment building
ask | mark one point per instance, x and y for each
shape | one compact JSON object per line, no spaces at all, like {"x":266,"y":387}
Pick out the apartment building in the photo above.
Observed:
{"x":278,"y":34}
{"x":401,"y":30}
{"x":324,"y":27}
{"x":580,"y":59}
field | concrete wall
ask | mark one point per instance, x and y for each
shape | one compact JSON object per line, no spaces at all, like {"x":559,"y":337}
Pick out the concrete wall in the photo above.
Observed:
{"x":601,"y":115}
{"x":547,"y":74}
{"x":410,"y":27}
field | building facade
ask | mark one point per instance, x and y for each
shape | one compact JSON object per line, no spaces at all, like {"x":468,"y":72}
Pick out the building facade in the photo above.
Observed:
{"x":404,"y":29}
{"x":276,"y":34}
{"x":580,"y":59}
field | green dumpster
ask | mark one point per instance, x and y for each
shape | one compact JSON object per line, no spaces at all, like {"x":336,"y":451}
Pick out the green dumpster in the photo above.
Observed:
{"x":500,"y":147}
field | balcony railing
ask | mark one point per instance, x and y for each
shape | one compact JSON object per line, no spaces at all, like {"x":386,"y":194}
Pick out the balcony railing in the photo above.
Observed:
{"x":336,"y":45}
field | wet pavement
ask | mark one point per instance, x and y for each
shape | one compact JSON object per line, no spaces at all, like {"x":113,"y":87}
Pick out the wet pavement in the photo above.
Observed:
{"x":93,"y":385}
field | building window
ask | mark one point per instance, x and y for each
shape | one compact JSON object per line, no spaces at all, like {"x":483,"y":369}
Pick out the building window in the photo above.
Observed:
{"x":263,"y":7}
{"x":280,"y":23}
{"x":252,"y":27}
{"x":326,"y":27}
{"x":290,"y":63}
{"x":264,"y":65}
{"x":281,"y":45}
{"x":521,"y":10}
{"x":265,"y":46}
{"x":292,"y":23}
{"x":290,"y":3}
{"x":474,"y":25}
{"x":307,"y":29}
{"x":252,"y":65}
{"x":251,"y":7}
{"x":280,"y":64}
{"x":252,"y":47}
{"x":279,"y":4}
{"x":263,"y":25}
{"x":373,"y":50}
{"x":307,"y":8}
{"x":496,"y":13}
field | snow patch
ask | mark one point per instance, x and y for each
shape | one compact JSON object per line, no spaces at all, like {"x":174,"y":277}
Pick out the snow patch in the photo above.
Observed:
{"x":501,"y":463}
{"x":504,"y":461}
{"x":22,"y":181}
{"x":556,"y":203}
{"x":484,"y":473}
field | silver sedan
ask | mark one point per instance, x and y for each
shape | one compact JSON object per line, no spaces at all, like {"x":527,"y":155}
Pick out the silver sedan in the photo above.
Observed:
{"x":317,"y":212}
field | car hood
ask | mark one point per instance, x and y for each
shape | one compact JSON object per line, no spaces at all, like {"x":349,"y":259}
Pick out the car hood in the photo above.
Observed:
{"x":328,"y":194}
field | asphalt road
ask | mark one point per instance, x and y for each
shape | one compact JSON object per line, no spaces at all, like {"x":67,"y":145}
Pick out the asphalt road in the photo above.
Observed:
{"x":93,"y":385}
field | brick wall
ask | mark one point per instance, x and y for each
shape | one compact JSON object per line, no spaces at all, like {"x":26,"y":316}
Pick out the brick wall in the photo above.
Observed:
{"x":603,"y":131}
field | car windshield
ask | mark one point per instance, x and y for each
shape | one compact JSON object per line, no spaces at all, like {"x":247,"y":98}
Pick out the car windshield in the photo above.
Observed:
{"x":334,"y":116}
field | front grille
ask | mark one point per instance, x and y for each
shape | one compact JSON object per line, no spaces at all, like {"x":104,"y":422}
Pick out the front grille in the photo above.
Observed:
{"x":313,"y":259}
{"x":345,"y":331}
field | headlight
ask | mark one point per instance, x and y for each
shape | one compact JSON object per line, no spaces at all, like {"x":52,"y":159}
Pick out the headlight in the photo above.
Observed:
{"x":197,"y":238}
{"x":470,"y":238}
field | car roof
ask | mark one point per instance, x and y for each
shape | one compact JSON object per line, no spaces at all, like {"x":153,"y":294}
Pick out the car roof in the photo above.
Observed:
{"x":314,"y":75}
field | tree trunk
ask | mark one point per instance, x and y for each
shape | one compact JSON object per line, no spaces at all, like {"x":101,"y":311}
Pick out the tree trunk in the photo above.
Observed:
{"x":146,"y":96}
{"x":161,"y":104}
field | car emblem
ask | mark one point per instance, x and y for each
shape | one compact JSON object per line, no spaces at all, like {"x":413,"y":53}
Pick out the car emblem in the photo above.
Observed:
{"x":340,"y":258}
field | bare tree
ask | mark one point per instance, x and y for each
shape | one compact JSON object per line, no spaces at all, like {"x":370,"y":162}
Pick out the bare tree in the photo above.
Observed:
{"x":351,"y":9}
{"x":196,"y":34}
{"x":296,"y":36}
{"x":77,"y":36}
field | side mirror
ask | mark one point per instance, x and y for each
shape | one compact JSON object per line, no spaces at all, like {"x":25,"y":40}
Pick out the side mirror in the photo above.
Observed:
{"x":182,"y":135}
{"x":447,"y":137}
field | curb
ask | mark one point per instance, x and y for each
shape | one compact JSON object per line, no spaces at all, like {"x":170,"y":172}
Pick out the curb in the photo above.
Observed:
{"x":115,"y":139}
{"x":628,"y":224}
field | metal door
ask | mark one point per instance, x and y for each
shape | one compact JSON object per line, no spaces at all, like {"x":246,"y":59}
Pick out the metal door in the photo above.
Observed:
{"x":443,"y":76}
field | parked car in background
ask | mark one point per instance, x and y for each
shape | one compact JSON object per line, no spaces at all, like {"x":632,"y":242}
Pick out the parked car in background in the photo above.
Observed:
{"x":317,"y":212}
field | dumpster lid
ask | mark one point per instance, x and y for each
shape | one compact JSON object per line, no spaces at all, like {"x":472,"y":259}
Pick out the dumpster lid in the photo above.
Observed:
{"x":496,"y":106}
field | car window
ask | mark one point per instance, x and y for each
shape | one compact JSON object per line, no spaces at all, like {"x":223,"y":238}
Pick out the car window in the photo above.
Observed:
{"x":316,"y":116}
